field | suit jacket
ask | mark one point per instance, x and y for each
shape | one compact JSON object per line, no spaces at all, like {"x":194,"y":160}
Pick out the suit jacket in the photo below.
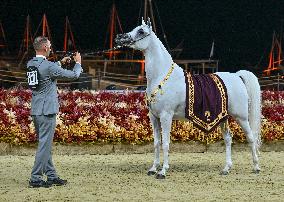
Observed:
{"x":45,"y":98}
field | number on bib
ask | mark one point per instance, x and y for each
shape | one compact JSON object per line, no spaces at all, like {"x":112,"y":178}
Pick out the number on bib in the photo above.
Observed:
{"x":33,"y":77}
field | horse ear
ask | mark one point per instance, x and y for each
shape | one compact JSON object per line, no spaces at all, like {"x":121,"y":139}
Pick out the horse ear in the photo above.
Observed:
{"x":143,"y":22}
{"x":149,"y":23}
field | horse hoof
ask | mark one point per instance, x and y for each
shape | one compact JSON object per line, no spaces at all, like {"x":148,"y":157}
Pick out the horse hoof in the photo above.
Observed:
{"x":160,"y":176}
{"x":150,"y":173}
{"x":224,"y":172}
{"x":256,"y":171}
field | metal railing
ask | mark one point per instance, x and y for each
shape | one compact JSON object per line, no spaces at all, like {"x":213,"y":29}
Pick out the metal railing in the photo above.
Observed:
{"x":275,"y":82}
{"x":131,"y":81}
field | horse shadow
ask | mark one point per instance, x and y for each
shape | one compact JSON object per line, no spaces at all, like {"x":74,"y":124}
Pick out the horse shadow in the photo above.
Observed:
{"x":175,"y":167}
{"x":194,"y":167}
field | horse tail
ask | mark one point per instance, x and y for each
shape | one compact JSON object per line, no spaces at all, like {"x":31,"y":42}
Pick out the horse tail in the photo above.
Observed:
{"x":254,"y":93}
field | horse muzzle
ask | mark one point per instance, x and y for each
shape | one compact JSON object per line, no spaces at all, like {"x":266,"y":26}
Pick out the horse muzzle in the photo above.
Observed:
{"x":123,"y":40}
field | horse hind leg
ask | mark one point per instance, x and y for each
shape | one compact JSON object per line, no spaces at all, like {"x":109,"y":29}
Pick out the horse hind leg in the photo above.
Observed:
{"x":157,"y":141}
{"x":228,"y":142}
{"x":252,"y":142}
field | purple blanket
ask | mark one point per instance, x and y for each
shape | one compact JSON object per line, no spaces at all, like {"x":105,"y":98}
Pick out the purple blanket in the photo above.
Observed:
{"x":206,"y":100}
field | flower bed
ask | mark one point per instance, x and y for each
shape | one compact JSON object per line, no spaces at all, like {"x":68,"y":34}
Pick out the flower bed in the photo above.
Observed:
{"x":101,"y":116}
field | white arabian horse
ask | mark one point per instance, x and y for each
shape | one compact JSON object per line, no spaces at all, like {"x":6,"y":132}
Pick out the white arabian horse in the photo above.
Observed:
{"x":244,"y":97}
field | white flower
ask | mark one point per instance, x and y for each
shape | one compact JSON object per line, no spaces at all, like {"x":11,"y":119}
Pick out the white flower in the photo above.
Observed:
{"x":134,"y":117}
{"x":94,"y":92}
{"x":11,"y":115}
{"x":27,"y":105}
{"x":14,"y":100}
{"x":84,"y":120}
{"x":64,"y":102}
{"x":78,"y":101}
{"x":102,"y":120}
{"x":75,"y":91}
{"x":120,"y":105}
{"x":114,"y":127}
{"x":59,"y":121}
{"x":60,"y":91}
{"x":32,"y":127}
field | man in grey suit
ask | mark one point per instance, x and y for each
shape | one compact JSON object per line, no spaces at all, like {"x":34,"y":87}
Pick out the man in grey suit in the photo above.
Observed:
{"x":45,"y":106}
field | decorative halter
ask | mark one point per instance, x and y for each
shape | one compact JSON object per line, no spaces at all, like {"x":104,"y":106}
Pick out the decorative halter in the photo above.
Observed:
{"x":152,"y":97}
{"x":132,"y":42}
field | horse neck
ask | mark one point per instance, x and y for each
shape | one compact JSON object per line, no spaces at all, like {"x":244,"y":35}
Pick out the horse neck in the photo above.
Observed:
{"x":157,"y":61}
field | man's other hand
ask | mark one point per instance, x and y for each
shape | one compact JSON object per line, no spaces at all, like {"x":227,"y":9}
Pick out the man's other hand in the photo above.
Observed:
{"x":77,"y":57}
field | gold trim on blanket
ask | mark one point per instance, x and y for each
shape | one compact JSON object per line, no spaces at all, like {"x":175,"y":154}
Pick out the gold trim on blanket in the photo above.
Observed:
{"x":224,"y":112}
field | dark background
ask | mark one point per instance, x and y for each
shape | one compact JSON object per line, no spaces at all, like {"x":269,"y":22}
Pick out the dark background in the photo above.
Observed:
{"x":242,"y":29}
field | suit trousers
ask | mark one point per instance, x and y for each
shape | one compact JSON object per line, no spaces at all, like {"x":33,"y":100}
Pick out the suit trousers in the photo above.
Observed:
{"x":45,"y":128}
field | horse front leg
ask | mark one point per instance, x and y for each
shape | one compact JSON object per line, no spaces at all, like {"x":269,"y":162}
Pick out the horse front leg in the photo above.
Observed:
{"x":166,"y":123}
{"x":156,"y":125}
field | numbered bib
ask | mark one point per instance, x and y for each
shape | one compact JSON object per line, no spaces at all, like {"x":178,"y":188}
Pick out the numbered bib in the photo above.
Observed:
{"x":33,"y":77}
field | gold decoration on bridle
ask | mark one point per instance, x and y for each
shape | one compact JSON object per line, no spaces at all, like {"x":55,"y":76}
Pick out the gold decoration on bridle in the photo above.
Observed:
{"x":152,"y":97}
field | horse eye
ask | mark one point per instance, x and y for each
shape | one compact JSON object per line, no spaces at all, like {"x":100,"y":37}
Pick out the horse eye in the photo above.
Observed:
{"x":141,"y":31}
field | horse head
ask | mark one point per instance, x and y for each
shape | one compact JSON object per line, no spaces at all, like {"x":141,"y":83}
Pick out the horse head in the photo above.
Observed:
{"x":139,"y":38}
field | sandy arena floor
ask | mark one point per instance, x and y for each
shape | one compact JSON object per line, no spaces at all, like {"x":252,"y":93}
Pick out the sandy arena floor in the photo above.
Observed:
{"x":192,"y":177}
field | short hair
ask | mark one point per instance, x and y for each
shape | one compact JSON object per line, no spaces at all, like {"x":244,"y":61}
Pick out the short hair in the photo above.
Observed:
{"x":39,"y":42}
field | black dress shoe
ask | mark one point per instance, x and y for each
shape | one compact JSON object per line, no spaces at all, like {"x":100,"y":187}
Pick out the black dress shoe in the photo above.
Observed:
{"x":37,"y":184}
{"x":56,"y":181}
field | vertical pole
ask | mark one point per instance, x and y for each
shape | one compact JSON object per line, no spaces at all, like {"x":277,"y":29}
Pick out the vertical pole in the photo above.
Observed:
{"x":105,"y":67}
{"x":145,"y":9}
{"x":99,"y":78}
{"x":112,"y":25}
{"x":278,"y":83}
{"x":141,"y":80}
{"x":217,"y":66}
{"x":43,"y":25}
{"x":2,"y":33}
{"x":65,"y":35}
{"x":71,"y":35}
{"x":142,"y":67}
{"x":186,"y":67}
{"x":152,"y":16}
